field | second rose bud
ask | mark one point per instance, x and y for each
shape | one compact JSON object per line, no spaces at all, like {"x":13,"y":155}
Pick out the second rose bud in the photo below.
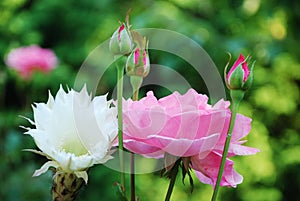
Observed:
{"x":138,"y":63}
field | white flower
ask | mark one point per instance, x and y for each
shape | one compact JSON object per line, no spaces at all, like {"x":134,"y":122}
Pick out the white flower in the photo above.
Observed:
{"x":74,"y":131}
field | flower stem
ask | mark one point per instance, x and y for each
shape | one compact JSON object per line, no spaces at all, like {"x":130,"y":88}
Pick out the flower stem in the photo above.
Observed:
{"x":132,"y":171}
{"x":120,"y":72}
{"x":173,"y":175}
{"x":236,"y":97}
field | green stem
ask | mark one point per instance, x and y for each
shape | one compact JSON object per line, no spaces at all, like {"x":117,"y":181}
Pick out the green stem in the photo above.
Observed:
{"x":173,"y":175}
{"x":132,"y":171}
{"x":236,"y":97}
{"x":120,"y":72}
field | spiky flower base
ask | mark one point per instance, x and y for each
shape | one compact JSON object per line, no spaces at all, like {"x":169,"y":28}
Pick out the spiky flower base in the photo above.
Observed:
{"x":65,"y":186}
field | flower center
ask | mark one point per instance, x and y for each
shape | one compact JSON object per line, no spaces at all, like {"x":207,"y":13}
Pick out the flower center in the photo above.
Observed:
{"x":74,"y":145}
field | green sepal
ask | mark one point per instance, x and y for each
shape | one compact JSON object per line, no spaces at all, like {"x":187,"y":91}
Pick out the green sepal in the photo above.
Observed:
{"x":139,"y":40}
{"x":225,"y":70}
{"x":186,"y":170}
{"x":235,"y":80}
{"x":130,"y":65}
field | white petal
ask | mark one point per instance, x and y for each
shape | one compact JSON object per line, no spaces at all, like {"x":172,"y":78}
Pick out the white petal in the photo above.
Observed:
{"x":60,"y":96}
{"x":35,"y":151}
{"x":42,"y":141}
{"x":45,"y":167}
{"x":26,"y":128}
{"x":50,"y":101}
{"x":88,"y":129}
{"x":83,"y":96}
{"x":42,"y":115}
{"x":30,"y":121}
{"x":107,"y":115}
{"x":70,"y":163}
{"x":83,"y":175}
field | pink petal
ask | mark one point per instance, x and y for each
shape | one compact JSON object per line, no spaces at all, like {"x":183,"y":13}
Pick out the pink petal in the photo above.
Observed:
{"x":242,"y":150}
{"x":191,"y":100}
{"x":246,"y":71}
{"x":235,"y":65}
{"x":207,"y":170}
{"x":183,"y":147}
{"x":143,"y":149}
{"x":121,"y":28}
{"x":140,"y":124}
{"x":241,"y":129}
{"x":136,"y":56}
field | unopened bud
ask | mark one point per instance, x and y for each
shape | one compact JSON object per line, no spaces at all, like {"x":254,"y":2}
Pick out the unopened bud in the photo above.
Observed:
{"x":121,"y":41}
{"x":138,"y":63}
{"x":239,"y":76}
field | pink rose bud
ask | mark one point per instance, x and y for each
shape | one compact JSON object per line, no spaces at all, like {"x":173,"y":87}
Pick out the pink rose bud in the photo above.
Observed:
{"x":121,"y":41}
{"x":138,"y":63}
{"x":239,"y":76}
{"x":26,"y":60}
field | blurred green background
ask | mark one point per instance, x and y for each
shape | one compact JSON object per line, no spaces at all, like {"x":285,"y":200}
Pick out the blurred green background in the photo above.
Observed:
{"x":268,"y":30}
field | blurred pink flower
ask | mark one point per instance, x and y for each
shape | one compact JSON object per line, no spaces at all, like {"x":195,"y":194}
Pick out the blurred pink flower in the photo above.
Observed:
{"x":185,"y":126}
{"x":181,"y":125}
{"x":28,"y":59}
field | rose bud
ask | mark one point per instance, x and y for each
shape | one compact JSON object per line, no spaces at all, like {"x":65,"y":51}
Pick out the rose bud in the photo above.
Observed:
{"x":138,"y":63}
{"x":121,"y":41}
{"x":239,"y":76}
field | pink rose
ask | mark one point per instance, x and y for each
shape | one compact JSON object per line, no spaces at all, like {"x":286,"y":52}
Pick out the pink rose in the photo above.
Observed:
{"x":28,"y":59}
{"x":186,"y":126}
{"x":181,"y":125}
